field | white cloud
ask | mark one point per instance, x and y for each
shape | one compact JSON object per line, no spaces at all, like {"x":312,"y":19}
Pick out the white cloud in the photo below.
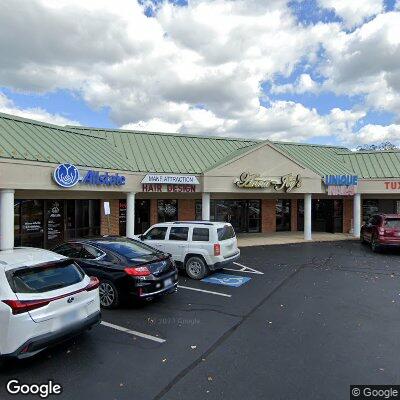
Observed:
{"x":199,"y":69}
{"x":36,"y":113}
{"x":353,"y":12}
{"x":378,"y":133}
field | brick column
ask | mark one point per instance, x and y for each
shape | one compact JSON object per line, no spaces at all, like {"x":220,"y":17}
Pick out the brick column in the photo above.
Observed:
{"x":113,"y":228}
{"x":293,"y":216}
{"x":347,"y":214}
{"x":268,"y":215}
{"x":153,"y":212}
{"x":187,"y":210}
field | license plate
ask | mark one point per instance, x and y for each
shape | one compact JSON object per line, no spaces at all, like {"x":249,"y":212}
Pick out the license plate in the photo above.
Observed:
{"x":168,"y":282}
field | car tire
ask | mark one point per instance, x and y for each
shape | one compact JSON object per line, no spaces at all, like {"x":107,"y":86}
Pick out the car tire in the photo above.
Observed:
{"x":109,"y":295}
{"x":374,"y":245}
{"x":196,"y":268}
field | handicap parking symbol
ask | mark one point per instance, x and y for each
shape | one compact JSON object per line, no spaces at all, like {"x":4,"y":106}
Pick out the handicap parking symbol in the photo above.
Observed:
{"x":227,"y":280}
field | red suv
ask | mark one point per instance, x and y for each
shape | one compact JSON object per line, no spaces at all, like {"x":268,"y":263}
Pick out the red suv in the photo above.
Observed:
{"x":381,"y":230}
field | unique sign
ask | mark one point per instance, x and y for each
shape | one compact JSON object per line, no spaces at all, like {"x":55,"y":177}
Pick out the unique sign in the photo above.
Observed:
{"x":171,"y":179}
{"x":255,"y":181}
{"x":341,"y":180}
{"x":159,"y":188}
{"x":341,"y":190}
{"x":392,"y":185}
{"x":67,"y":176}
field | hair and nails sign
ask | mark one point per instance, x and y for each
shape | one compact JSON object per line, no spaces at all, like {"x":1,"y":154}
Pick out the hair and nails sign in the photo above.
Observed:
{"x":67,"y":175}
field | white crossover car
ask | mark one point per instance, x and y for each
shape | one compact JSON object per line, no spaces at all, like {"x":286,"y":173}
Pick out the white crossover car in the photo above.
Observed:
{"x":45,"y":298}
{"x":198,"y":246}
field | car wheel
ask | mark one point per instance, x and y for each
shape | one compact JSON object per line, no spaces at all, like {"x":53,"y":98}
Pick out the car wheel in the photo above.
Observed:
{"x":109,"y":296}
{"x":196,"y":268}
{"x":374,"y":244}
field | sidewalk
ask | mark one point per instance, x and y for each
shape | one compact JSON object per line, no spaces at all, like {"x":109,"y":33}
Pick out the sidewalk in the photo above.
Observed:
{"x":266,"y":239}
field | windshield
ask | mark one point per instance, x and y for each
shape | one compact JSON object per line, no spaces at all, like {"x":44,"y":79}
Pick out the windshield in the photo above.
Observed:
{"x":393,"y":223}
{"x":131,"y":249}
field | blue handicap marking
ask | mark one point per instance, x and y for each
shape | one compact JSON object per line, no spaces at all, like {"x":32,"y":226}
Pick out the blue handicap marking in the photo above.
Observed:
{"x":227,"y":280}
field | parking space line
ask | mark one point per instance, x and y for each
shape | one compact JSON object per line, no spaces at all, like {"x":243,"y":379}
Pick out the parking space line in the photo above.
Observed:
{"x":244,"y":269}
{"x":135,"y":333}
{"x":205,"y":291}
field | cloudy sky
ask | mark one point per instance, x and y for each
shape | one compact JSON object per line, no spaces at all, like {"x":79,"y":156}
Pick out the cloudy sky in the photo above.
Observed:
{"x":319,"y":71}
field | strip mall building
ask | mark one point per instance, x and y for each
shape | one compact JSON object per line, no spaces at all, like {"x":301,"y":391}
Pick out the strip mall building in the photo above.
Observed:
{"x":59,"y":182}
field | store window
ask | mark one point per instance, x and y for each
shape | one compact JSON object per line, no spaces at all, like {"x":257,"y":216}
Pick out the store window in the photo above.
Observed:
{"x":376,"y":206}
{"x":46,"y":223}
{"x":283,"y":214}
{"x":244,"y":215}
{"x":142,"y":216}
{"x":167,"y":210}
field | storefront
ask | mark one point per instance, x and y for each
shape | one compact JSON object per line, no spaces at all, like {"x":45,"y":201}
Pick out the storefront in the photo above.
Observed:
{"x":87,"y":182}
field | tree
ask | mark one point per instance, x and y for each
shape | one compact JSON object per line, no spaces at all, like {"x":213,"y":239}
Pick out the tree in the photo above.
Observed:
{"x":378,"y":147}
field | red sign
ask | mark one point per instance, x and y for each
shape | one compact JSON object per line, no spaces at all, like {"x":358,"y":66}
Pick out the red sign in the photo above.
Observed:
{"x":392,"y":185}
{"x":341,"y":190}
{"x":158,"y":188}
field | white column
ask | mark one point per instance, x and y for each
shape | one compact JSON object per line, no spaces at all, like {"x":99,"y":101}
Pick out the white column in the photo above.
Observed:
{"x":205,"y":207}
{"x":307,"y":217}
{"x":130,"y":215}
{"x":357,"y":215}
{"x":6,"y":219}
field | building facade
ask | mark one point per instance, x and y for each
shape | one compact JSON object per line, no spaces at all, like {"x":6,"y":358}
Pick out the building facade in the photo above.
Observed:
{"x":58,"y":183}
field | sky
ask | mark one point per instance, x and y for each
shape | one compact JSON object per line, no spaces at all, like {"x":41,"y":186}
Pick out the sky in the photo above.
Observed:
{"x":316,"y":71}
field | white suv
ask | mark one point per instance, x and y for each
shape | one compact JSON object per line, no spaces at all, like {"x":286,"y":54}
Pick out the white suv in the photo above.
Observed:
{"x":199,"y":246}
{"x":44,"y":299}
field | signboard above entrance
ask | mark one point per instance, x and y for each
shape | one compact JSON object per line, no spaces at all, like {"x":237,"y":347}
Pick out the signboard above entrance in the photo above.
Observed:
{"x":171,"y":179}
{"x":341,"y":180}
{"x":67,"y":176}
{"x":256,"y":181}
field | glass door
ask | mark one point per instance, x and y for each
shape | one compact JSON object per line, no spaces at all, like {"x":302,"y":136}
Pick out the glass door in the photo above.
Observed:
{"x":283,"y":215}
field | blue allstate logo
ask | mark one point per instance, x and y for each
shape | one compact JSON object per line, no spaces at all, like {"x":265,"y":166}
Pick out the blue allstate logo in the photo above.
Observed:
{"x":66,"y":175}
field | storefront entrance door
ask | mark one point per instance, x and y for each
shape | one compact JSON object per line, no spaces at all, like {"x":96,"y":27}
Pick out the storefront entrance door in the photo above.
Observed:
{"x":142,"y":216}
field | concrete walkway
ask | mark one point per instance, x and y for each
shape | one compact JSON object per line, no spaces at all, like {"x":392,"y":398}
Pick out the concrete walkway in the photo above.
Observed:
{"x":265,"y":239}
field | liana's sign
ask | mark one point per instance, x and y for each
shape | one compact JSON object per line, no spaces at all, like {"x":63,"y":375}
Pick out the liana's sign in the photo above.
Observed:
{"x":67,"y":176}
{"x":171,"y":179}
{"x":256,"y":181}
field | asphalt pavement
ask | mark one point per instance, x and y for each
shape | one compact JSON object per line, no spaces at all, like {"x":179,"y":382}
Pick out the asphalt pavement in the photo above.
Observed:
{"x":316,"y":319}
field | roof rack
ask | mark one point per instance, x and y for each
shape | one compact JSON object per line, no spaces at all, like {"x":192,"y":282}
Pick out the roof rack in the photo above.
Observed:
{"x":194,"y":222}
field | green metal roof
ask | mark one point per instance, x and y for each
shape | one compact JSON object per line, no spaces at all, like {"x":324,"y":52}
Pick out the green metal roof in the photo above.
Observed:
{"x":382,"y":164}
{"x":322,"y":159}
{"x":24,"y":139}
{"x":169,"y":152}
{"x":139,"y":151}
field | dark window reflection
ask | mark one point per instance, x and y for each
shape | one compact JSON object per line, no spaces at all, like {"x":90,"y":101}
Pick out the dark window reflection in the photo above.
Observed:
{"x":167,"y":210}
{"x":283,"y":214}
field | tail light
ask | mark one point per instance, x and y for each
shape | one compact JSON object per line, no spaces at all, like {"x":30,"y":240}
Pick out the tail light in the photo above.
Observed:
{"x":93,"y":284}
{"x":217,"y":249}
{"x":137,"y":271}
{"x":23,"y":306}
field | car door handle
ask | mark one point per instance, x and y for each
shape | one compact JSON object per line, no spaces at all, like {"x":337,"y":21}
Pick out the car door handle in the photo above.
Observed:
{"x":182,"y":245}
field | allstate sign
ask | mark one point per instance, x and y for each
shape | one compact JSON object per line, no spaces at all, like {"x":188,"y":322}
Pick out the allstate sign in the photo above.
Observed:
{"x":67,"y":175}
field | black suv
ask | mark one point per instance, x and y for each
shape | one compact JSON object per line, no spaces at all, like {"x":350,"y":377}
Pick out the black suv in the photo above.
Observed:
{"x":126,"y":268}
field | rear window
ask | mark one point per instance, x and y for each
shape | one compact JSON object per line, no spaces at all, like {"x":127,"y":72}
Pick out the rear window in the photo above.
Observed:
{"x":392,"y":223}
{"x":130,"y":249}
{"x":201,"y":235}
{"x":225,"y":233}
{"x":45,"y":278}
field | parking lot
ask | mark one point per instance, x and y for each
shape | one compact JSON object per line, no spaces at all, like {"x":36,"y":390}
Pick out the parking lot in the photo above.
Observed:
{"x":313,"y":319}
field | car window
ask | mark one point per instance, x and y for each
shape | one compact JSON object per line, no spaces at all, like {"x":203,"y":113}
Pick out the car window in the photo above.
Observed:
{"x":157,"y":233}
{"x":201,"y":235}
{"x":45,"y":278}
{"x":225,"y":233}
{"x":178,"y":233}
{"x":72,"y":250}
{"x":392,"y":223}
{"x":90,"y":252}
{"x":130,"y":249}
